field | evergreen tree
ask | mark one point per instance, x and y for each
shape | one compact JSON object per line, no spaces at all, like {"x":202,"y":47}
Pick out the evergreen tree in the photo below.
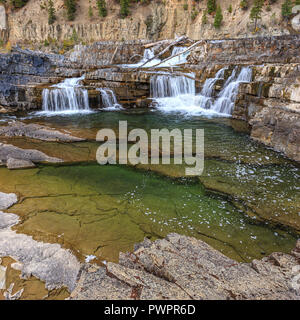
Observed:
{"x":124,"y":8}
{"x":230,"y":8}
{"x":218,"y":18}
{"x":286,"y":9}
{"x":90,"y":12}
{"x":204,"y":18}
{"x":102,"y":8}
{"x":71,"y":9}
{"x":211,"y":6}
{"x":297,"y":2}
{"x":18,"y":3}
{"x":256,"y":10}
{"x":51,"y":12}
{"x":244,"y":4}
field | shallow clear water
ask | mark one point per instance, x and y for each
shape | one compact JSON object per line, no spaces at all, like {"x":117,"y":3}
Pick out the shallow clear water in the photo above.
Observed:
{"x":240,"y":205}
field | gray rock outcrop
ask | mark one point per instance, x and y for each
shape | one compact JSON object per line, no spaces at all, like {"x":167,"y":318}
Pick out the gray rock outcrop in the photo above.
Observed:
{"x":35,"y":131}
{"x":8,"y":151}
{"x":49,"y":262}
{"x":179,"y":267}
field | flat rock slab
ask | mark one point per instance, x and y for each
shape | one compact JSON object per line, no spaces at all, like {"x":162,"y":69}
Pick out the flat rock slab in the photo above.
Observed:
{"x":180,"y":267}
{"x":35,"y":131}
{"x":7,"y":200}
{"x":50,"y":263}
{"x":19,"y":164}
{"x":9,"y":151}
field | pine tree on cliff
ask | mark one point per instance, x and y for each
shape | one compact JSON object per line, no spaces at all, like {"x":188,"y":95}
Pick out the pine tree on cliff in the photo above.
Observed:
{"x":71,"y":9}
{"x":286,"y":9}
{"x":211,"y":6}
{"x":256,"y":10}
{"x":102,"y":8}
{"x":124,"y":8}
{"x":204,"y":18}
{"x":17,"y":3}
{"x":218,"y":18}
{"x":51,"y":12}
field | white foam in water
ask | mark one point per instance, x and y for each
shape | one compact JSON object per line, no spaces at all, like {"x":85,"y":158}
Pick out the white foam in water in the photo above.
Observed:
{"x":66,"y":97}
{"x":109,"y":99}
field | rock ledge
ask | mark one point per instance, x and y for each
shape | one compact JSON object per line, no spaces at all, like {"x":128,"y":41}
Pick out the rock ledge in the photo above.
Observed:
{"x":183,"y":268}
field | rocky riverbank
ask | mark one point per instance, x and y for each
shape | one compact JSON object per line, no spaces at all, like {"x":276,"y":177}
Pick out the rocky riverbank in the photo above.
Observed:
{"x":184,"y":268}
{"x":177,"y":267}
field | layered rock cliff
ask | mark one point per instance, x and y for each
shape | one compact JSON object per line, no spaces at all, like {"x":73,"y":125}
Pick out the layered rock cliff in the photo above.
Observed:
{"x":148,"y":20}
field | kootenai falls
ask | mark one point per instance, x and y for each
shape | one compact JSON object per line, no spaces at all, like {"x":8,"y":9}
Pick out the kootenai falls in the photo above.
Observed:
{"x":149,"y":150}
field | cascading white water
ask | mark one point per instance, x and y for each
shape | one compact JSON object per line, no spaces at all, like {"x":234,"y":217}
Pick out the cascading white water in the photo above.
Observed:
{"x":205,"y":97}
{"x":163,"y":86}
{"x":66,"y":96}
{"x":109,"y":99}
{"x":177,"y":93}
{"x":227,"y":96}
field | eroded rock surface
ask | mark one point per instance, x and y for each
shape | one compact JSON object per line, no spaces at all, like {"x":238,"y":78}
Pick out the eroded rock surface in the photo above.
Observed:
{"x":8,"y":151}
{"x":49,"y":262}
{"x":7,"y":200}
{"x":180,"y":267}
{"x":19,"y":163}
{"x":35,"y":131}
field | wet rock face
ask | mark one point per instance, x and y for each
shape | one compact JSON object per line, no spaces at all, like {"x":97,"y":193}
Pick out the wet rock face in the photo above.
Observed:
{"x":17,"y":70}
{"x":179,"y":267}
{"x":271,"y":105}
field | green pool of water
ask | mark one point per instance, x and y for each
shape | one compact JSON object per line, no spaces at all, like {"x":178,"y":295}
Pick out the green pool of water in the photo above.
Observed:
{"x":246,"y":204}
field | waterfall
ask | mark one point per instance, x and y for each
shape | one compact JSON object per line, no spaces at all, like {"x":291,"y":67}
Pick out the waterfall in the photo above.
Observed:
{"x":226,"y":98}
{"x":162,"y":86}
{"x":109,"y":99}
{"x":66,"y":96}
{"x":205,"y":98}
{"x":177,"y":93}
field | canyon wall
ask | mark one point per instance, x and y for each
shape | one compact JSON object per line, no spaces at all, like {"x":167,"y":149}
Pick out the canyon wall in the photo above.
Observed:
{"x":150,"y":20}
